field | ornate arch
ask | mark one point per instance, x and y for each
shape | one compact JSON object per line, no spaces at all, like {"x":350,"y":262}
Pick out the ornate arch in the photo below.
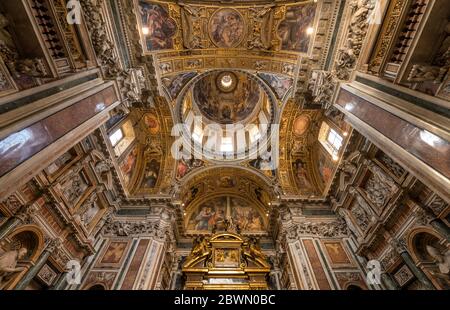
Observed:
{"x":411,"y":238}
{"x":38,"y":239}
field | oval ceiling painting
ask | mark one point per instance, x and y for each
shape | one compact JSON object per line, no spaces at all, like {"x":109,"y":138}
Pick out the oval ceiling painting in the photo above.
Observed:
{"x":226,"y":28}
{"x":152,"y":123}
{"x":301,"y":125}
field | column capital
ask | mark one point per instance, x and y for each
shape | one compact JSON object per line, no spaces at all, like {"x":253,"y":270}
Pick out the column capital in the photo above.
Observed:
{"x":399,"y":245}
{"x":54,"y":245}
{"x":26,"y":213}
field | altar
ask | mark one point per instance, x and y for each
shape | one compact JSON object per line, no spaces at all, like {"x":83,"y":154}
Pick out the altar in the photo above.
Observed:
{"x":226,"y":261}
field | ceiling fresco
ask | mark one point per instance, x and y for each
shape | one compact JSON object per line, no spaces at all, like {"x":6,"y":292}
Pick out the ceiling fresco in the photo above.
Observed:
{"x":226,"y":28}
{"x":159,"y":27}
{"x":173,"y":84}
{"x":226,"y":97}
{"x":293,"y":29}
{"x":146,"y":167}
{"x":212,"y":215}
{"x":280,"y":84}
{"x":213,"y":194}
{"x":215,"y":59}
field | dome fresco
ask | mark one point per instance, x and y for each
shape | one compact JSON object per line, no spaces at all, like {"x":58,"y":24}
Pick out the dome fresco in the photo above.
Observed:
{"x":227,"y":97}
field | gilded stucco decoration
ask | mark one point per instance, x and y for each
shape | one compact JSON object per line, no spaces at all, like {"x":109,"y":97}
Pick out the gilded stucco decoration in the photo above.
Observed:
{"x":298,"y":132}
{"x":147,"y":167}
{"x":190,"y":39}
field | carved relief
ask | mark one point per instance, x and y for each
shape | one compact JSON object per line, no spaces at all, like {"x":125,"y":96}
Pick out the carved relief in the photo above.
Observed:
{"x":388,"y":33}
{"x":347,"y":171}
{"x":360,"y":13}
{"x":403,"y":275}
{"x":320,"y":229}
{"x":103,"y":45}
{"x":73,"y":185}
{"x":126,"y":228}
{"x":12,"y":203}
{"x":363,"y":212}
{"x":361,"y":216}
{"x":390,"y":164}
{"x":47,"y":275}
{"x":24,"y":71}
{"x":261,"y":19}
{"x":424,"y":73}
{"x":389,"y":259}
{"x":437,"y":205}
{"x":321,"y":88}
{"x":347,"y":218}
{"x":376,"y":192}
{"x":380,"y":186}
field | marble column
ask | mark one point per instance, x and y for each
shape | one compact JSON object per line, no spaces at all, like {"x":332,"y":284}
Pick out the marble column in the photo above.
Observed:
{"x":22,"y":216}
{"x":400,"y":248}
{"x":60,"y":283}
{"x":32,"y":272}
{"x":276,"y":276}
{"x":175,"y":275}
{"x":388,"y":282}
{"x":176,"y":270}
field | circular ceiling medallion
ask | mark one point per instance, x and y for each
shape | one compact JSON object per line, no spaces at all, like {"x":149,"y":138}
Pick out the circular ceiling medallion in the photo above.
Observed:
{"x":226,"y":28}
{"x":227,"y":97}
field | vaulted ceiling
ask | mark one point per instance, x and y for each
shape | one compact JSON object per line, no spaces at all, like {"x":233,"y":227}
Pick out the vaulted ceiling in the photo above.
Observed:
{"x":229,"y":61}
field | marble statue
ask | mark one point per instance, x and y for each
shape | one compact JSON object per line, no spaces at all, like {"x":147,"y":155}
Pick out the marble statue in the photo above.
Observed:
{"x":348,"y":170}
{"x":8,"y":263}
{"x":361,"y":201}
{"x":442,"y":261}
{"x":381,"y":175}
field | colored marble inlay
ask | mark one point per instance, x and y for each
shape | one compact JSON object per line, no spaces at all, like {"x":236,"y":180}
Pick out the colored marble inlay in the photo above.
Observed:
{"x":336,"y":253}
{"x":21,"y":145}
{"x":426,"y":146}
{"x":135,"y":265}
{"x":319,"y":273}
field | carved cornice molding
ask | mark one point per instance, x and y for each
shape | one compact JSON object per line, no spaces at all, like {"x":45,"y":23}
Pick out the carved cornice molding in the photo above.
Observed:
{"x":333,"y":229}
{"x":156,"y":229}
